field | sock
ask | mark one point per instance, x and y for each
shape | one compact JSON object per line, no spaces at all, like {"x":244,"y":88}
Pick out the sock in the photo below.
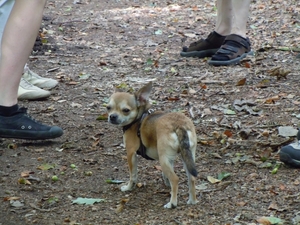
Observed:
{"x":219,"y":35}
{"x":8,"y":110}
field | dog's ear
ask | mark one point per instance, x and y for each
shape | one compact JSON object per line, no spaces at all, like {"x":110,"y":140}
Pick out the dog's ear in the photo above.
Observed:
{"x":143,"y":94}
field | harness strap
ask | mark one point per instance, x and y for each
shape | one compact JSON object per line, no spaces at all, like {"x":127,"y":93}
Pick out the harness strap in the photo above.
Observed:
{"x":142,"y":149}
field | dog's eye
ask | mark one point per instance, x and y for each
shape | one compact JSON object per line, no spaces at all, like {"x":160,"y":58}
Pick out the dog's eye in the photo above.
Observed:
{"x":126,"y":110}
{"x":108,"y":107}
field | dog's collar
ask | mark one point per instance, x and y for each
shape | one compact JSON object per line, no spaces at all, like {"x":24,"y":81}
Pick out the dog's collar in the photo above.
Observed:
{"x":138,"y":120}
{"x":142,"y":149}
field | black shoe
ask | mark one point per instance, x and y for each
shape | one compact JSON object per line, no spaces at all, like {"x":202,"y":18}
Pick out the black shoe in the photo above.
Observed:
{"x":290,"y":154}
{"x":233,"y":50}
{"x":22,"y":126}
{"x":204,"y":47}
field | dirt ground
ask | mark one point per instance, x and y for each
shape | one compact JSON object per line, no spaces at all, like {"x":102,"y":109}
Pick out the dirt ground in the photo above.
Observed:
{"x":91,"y":47}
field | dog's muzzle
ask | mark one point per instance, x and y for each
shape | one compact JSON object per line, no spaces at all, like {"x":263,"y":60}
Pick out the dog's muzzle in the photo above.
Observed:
{"x":113,"y":118}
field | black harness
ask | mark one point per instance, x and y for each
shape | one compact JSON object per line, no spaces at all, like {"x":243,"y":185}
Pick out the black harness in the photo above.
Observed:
{"x":142,"y":149}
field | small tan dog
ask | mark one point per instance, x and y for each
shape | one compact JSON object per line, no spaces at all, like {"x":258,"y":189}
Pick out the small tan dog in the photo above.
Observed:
{"x":157,"y":135}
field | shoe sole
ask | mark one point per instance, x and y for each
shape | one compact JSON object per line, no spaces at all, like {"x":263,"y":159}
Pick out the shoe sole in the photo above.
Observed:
{"x":34,"y":135}
{"x":45,"y":85}
{"x":199,"y":54}
{"x":229,"y":62}
{"x":286,"y":158}
{"x":30,"y":97}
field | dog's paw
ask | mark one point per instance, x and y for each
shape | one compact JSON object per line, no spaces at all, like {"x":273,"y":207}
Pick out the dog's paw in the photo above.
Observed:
{"x":170,"y":206}
{"x":192,"y":202}
{"x":127,"y":187}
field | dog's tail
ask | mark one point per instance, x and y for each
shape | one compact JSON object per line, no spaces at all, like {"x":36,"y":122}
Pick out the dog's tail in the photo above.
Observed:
{"x":185,"y":151}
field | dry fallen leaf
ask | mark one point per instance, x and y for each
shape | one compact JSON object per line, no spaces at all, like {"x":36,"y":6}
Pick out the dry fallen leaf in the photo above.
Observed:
{"x":265,"y":154}
{"x":95,"y":143}
{"x":241,"y":82}
{"x":120,"y":207}
{"x":73,"y":83}
{"x":272,"y":100}
{"x":192,"y":91}
{"x":195,"y":8}
{"x":216,"y":134}
{"x":102,"y":63}
{"x":24,"y":181}
{"x":203,"y":86}
{"x":263,"y":221}
{"x":282,"y":187}
{"x":241,"y":203}
{"x":247,"y":65}
{"x":269,"y":220}
{"x":26,"y":173}
{"x":216,"y":155}
{"x":139,"y":185}
{"x":102,"y":117}
{"x":252,"y":176}
{"x":279,"y":73}
{"x":158,"y":167}
{"x":39,"y":150}
{"x":273,"y":206}
{"x":228,"y":133}
{"x":10,"y":198}
{"x":212,"y":180}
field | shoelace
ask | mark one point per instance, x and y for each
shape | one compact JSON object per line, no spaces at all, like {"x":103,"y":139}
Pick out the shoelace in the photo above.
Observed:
{"x":23,"y":111}
{"x":31,"y":74}
{"x":25,"y":84}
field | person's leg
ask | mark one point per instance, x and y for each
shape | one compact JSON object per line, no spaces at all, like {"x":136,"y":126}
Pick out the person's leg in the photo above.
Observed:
{"x":224,"y":17}
{"x":31,"y":83}
{"x":5,"y":9}
{"x":209,"y":46}
{"x":236,"y":45}
{"x":25,"y":19}
{"x":232,"y":17}
{"x":15,"y":51}
{"x":240,"y":13}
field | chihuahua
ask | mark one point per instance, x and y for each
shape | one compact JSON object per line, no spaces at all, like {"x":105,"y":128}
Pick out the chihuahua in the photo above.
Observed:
{"x":158,"y":135}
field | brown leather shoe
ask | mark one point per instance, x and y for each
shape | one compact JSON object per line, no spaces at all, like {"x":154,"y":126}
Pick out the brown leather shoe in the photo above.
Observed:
{"x":204,"y":47}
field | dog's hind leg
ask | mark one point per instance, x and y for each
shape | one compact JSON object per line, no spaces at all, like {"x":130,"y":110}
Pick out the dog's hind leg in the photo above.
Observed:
{"x":166,"y":180}
{"x":191,"y":180}
{"x":169,"y":174}
{"x":192,"y":188}
{"x":132,"y":164}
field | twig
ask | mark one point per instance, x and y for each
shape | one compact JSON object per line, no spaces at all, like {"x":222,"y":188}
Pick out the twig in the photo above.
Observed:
{"x":53,"y":69}
{"x":191,"y":112}
{"x":178,"y":222}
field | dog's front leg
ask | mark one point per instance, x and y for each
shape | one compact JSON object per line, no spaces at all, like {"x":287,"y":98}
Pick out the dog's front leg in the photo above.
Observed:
{"x":132,"y":164}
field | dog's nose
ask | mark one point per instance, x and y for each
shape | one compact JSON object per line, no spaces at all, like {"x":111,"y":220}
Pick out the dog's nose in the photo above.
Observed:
{"x":113,"y":117}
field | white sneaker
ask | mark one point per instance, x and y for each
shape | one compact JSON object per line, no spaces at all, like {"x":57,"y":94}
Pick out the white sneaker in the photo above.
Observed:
{"x":37,"y":80}
{"x":27,"y":91}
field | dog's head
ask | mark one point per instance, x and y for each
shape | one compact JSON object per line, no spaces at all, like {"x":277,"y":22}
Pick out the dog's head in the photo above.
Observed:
{"x":124,"y":108}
